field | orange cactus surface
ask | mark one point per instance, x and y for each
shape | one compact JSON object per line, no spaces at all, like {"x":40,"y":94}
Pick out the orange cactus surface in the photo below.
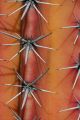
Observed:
{"x":64,"y":27}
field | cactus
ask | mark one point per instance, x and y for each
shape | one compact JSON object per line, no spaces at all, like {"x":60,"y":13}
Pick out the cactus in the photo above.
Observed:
{"x":28,"y":30}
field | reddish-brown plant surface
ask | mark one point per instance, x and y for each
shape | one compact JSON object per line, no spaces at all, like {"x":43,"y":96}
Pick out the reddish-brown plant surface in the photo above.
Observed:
{"x":65,"y":54}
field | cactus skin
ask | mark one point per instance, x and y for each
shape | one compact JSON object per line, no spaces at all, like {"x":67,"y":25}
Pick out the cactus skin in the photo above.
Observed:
{"x":60,"y":80}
